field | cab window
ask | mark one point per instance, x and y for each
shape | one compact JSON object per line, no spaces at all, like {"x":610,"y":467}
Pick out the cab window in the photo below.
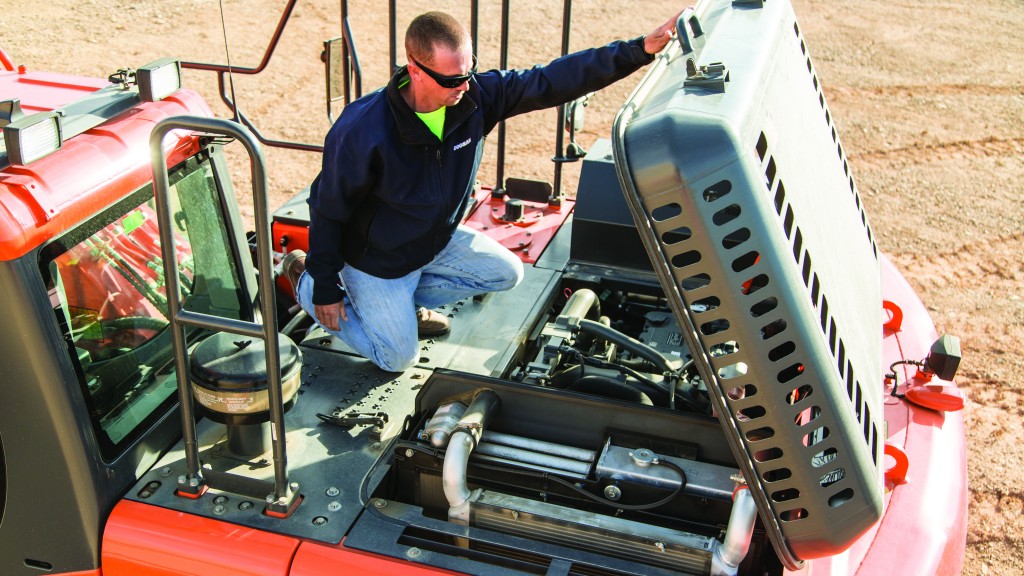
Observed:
{"x":106,"y":282}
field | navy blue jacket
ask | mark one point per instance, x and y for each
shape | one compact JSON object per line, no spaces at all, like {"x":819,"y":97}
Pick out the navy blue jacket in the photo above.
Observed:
{"x":390,"y":194}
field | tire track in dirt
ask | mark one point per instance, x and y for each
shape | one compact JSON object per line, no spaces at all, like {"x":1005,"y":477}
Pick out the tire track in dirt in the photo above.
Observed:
{"x":1011,"y":496}
{"x":989,"y":262}
{"x":985,"y":147}
{"x":888,"y":93}
{"x":1001,"y":510}
{"x":974,"y":286}
{"x":996,"y":538}
{"x":987,"y":390}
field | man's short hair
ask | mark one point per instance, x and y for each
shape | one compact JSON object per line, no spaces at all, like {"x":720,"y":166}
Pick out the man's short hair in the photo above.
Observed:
{"x":432,"y":28}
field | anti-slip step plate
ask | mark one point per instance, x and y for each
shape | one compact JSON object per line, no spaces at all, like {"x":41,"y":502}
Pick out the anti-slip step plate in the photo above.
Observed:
{"x":731,"y":165}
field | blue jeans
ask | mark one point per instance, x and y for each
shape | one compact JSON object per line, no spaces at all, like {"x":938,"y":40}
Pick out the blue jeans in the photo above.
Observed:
{"x":382,"y":311}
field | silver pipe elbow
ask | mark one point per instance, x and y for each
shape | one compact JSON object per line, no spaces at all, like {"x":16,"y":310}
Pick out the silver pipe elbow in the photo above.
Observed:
{"x":453,"y":474}
{"x":728,"y":554}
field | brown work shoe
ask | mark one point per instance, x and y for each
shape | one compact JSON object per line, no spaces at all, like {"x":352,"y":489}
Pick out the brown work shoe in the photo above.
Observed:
{"x":293,"y":265}
{"x":431,"y":323}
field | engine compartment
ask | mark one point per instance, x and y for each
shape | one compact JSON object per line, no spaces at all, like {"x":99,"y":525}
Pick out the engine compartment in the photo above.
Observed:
{"x":633,"y":351}
{"x":600,"y":447}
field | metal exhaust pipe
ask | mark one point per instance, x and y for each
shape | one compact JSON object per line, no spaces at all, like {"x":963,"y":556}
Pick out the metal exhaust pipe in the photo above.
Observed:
{"x":463,"y":440}
{"x":728,"y":554}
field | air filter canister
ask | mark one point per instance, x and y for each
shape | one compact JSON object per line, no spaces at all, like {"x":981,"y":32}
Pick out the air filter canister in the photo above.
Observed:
{"x":229,"y":377}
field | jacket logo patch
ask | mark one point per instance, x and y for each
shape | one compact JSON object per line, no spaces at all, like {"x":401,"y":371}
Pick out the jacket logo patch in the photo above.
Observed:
{"x":461,"y":144}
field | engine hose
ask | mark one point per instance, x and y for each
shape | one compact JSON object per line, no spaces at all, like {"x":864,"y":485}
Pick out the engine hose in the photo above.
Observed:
{"x":583,"y":303}
{"x":635,"y":346}
{"x":610,"y":388}
{"x":564,"y":379}
{"x":638,"y":364}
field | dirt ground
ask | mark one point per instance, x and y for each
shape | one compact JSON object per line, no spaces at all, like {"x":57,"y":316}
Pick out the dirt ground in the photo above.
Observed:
{"x":927,"y":95}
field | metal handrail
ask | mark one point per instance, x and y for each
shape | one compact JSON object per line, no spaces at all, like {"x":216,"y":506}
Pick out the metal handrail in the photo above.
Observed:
{"x":499,"y":186}
{"x":284,"y":494}
{"x":559,"y":157}
{"x":227,"y":69}
{"x":354,"y":72}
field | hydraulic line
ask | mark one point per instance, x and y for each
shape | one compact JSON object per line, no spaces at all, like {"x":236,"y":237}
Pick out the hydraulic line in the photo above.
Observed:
{"x":514,"y":454}
{"x":581,"y":454}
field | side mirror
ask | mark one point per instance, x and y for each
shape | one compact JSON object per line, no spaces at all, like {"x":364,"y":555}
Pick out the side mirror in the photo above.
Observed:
{"x":574,"y":117}
{"x":341,"y":70}
{"x":334,"y":59}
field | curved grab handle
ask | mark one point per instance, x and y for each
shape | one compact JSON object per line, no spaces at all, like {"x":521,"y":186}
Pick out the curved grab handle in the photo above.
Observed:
{"x":690,"y":33}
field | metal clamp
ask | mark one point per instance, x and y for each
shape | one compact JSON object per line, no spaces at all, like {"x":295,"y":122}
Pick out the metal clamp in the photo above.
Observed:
{"x":353,"y":419}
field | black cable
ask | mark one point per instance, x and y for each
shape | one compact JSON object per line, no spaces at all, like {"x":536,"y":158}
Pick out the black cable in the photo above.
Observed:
{"x":613,"y":504}
{"x":895,"y":379}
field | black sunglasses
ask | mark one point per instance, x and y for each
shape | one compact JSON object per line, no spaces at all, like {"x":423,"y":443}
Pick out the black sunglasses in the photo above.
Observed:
{"x":448,"y":81}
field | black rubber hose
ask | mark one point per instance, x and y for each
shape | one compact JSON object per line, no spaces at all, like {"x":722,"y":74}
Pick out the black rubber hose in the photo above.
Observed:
{"x":631,"y":344}
{"x":610,"y":388}
{"x":657,"y":392}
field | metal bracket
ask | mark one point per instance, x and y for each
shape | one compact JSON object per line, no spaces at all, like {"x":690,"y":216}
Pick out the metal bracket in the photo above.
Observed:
{"x":711,"y":77}
{"x":353,"y":419}
{"x":10,"y":110}
{"x":283,"y":505}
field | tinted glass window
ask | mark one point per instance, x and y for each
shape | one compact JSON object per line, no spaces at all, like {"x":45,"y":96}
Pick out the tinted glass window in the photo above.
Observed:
{"x":106,"y":282}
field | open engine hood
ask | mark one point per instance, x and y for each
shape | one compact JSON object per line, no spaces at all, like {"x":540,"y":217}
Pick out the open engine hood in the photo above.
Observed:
{"x":738,"y":184}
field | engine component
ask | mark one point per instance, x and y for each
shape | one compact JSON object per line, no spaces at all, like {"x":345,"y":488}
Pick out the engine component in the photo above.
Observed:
{"x":663,"y":334}
{"x":440,"y":426}
{"x":581,"y":454}
{"x":556,"y":334}
{"x":535,"y":454}
{"x":702,"y":479}
{"x":731,"y":551}
{"x":636,"y":541}
{"x":464,"y":438}
{"x":580,"y":350}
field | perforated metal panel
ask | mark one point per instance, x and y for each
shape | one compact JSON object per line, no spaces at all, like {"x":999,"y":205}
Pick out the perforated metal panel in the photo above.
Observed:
{"x":744,"y":199}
